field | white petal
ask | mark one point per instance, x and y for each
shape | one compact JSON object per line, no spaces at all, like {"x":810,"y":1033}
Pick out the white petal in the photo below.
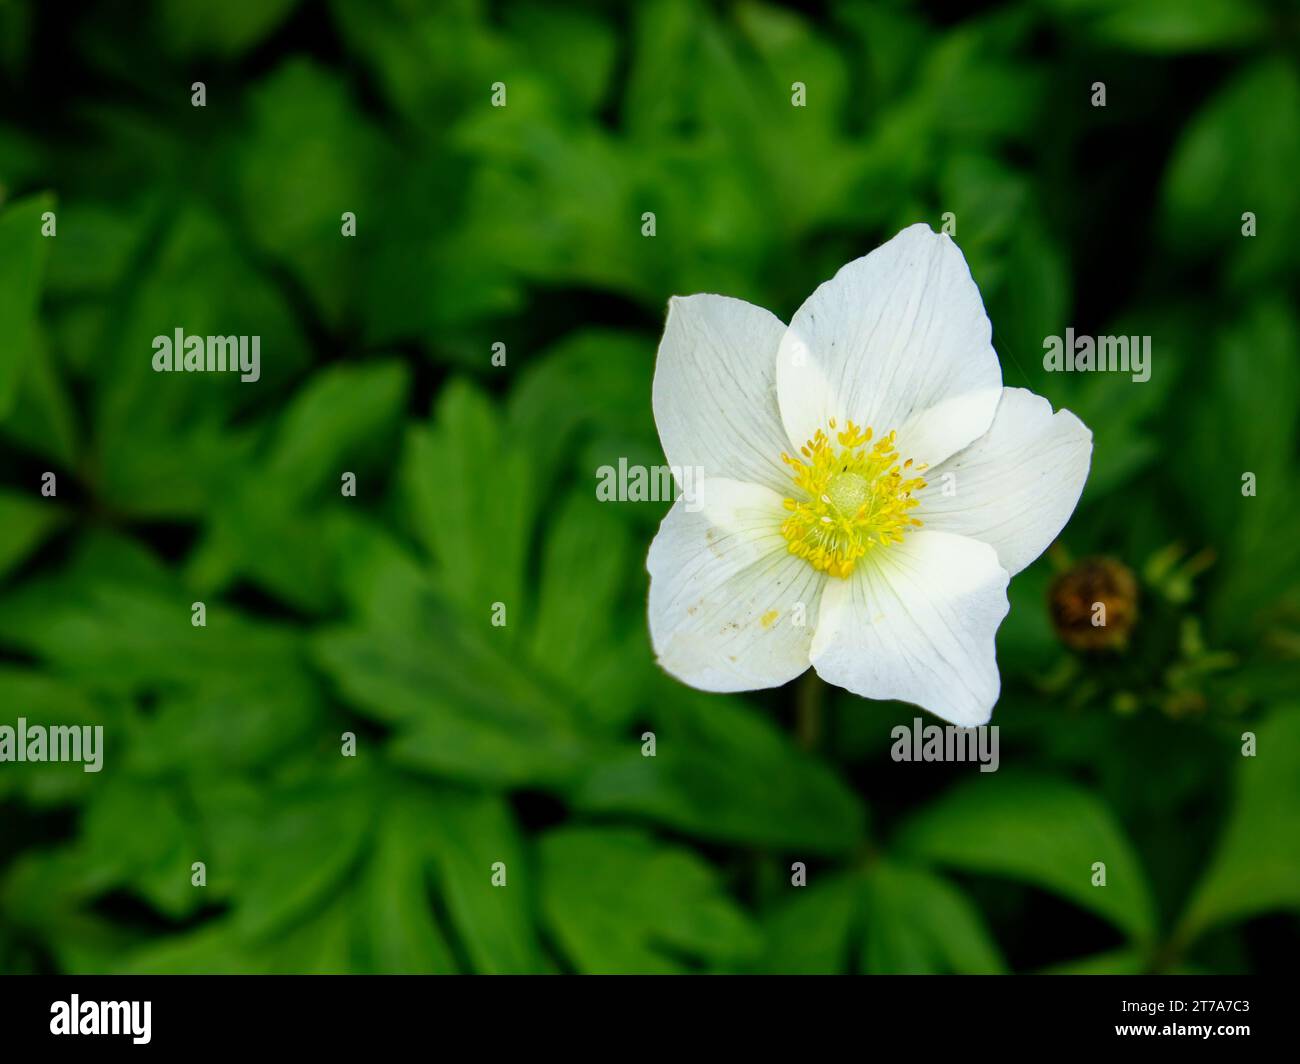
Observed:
{"x":895,"y":340}
{"x":726,"y":596}
{"x":715,"y":390}
{"x":917,"y":624}
{"x":1016,"y":486}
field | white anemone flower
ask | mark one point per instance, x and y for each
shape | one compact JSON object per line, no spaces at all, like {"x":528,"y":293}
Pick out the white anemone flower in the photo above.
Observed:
{"x":868,"y":486}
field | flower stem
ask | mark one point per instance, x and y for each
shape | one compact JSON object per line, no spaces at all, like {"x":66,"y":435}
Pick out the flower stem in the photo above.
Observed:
{"x":808,"y":711}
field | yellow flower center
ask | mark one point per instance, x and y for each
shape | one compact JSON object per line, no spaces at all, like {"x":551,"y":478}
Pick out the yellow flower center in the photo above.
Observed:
{"x":851,"y":498}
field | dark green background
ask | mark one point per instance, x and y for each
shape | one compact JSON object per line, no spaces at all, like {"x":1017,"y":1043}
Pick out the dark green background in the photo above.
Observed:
{"x":522,"y":225}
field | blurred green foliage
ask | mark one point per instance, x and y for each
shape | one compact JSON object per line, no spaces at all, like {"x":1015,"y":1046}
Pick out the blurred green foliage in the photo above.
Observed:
{"x":521,"y":225}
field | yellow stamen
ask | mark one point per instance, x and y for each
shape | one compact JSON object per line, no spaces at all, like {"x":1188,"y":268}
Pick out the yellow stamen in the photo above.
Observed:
{"x":851,"y":499}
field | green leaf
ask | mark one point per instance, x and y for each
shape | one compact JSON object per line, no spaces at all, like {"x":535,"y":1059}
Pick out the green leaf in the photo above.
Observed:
{"x":362,"y":896}
{"x":23,"y":251}
{"x":722,"y":771}
{"x":402,"y":935}
{"x":309,"y":157}
{"x":166,"y":444}
{"x":462,"y":706}
{"x":593,"y":381}
{"x":1256,"y":866}
{"x":480,"y":709}
{"x":587,"y":557}
{"x":811,"y":933}
{"x":230,"y":723}
{"x":472,"y":497}
{"x":25,"y":521}
{"x":619,"y":901}
{"x":46,"y":701}
{"x":277,"y":857}
{"x":342,"y":413}
{"x":1252,"y":384}
{"x":977,"y":88}
{"x":467,"y":835}
{"x":1170,"y":25}
{"x":575,"y":50}
{"x":94,"y":249}
{"x":41,"y":894}
{"x":154,"y":864}
{"x":319,"y":945}
{"x":1040,"y":830}
{"x":1237,"y":155}
{"x":1032,"y":301}
{"x":219,"y":27}
{"x":43,"y":420}
{"x":114,"y":619}
{"x":991,"y":200}
{"x":265,"y":527}
{"x":918,"y":924}
{"x":383,"y":583}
